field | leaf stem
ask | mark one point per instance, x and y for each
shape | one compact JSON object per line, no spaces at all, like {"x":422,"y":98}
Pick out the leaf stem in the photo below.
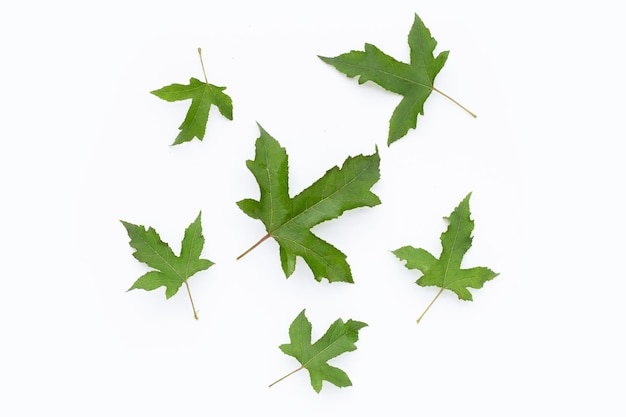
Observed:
{"x":431,"y":303}
{"x":289,"y":374}
{"x":202,"y":63}
{"x":455,"y":102}
{"x":253,"y":246}
{"x":193,"y":307}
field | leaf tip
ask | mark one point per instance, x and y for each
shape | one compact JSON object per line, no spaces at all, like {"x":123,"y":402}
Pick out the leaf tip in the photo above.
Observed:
{"x":324,"y":59}
{"x":130,"y":227}
{"x":262,"y":131}
{"x":356,"y":325}
{"x":394,"y":137}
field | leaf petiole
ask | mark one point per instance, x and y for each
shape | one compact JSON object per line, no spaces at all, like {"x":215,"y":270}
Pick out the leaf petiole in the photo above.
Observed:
{"x":193,"y":307}
{"x":454,"y":101}
{"x":431,"y":303}
{"x":254,"y":246}
{"x":202,"y":63}
{"x":289,"y":374}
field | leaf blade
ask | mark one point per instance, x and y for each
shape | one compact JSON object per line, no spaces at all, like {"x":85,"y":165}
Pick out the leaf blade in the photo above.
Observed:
{"x":150,"y":249}
{"x":338,"y":190}
{"x":324,"y":260}
{"x":155,"y":279}
{"x":270,"y":168}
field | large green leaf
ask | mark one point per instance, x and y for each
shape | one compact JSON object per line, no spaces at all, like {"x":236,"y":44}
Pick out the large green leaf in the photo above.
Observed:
{"x":289,"y":220}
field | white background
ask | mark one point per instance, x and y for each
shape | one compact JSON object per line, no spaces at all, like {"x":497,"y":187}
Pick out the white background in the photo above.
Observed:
{"x":84,"y":145}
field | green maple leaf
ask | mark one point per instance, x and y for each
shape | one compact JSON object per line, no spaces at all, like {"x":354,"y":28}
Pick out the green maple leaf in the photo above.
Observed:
{"x":203,"y":95}
{"x":170,"y":271}
{"x":289,"y":220}
{"x":446,"y":272}
{"x":339,"y":338}
{"x":414,"y":81}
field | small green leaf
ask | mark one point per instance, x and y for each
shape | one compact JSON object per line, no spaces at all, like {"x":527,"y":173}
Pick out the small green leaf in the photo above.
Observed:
{"x":170,"y":271}
{"x":446,"y":272}
{"x":339,"y":338}
{"x":203,"y":95}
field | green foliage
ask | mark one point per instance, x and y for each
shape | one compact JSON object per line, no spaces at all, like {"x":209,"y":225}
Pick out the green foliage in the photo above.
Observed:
{"x":289,"y":220}
{"x":169,"y":271}
{"x":203,"y":95}
{"x":339,"y":338}
{"x":414,"y":81}
{"x":446,"y":272}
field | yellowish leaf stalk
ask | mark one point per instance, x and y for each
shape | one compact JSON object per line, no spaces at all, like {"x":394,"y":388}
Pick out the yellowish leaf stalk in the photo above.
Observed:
{"x":431,"y":303}
{"x":289,"y":374}
{"x":193,"y":307}
{"x":202,"y":63}
{"x":254,"y":246}
{"x":455,"y":102}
